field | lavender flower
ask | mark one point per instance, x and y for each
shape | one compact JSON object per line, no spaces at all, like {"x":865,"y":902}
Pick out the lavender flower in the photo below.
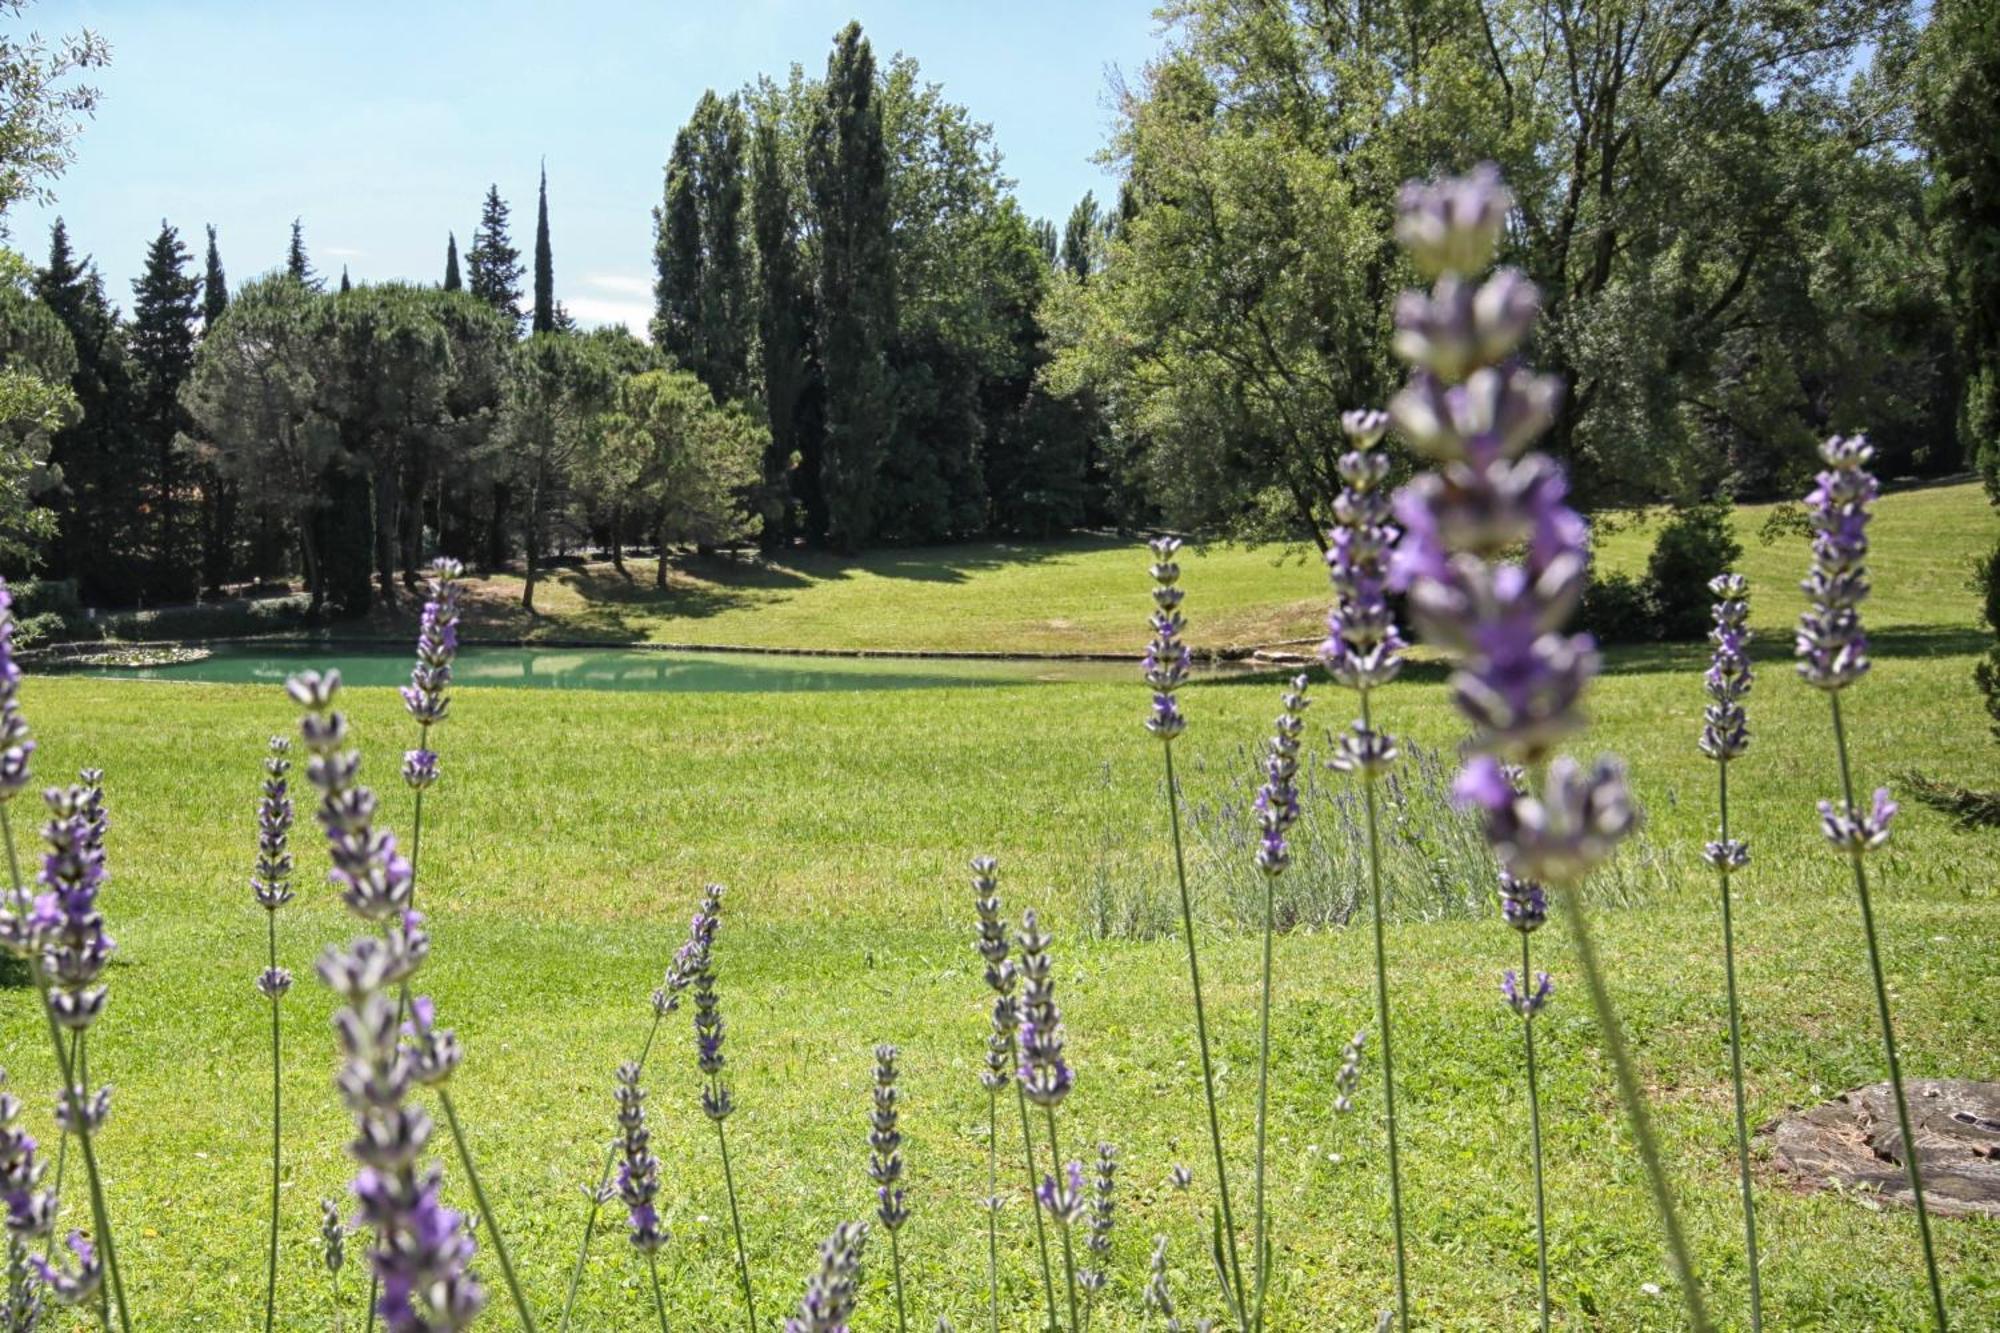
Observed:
{"x":1526,"y":1002}
{"x":692,"y":957}
{"x":1167,"y":658}
{"x":422,"y":1251}
{"x":1182,"y":1178}
{"x":1045,"y":1076}
{"x":272,"y":882}
{"x":1494,"y":562}
{"x":426,"y":695}
{"x":1857,"y":831}
{"x":1277,"y":802}
{"x":1725,"y":732}
{"x":75,"y":1282}
{"x":332,"y":1236}
{"x":1001,"y":975}
{"x":885,"y":1143}
{"x":639,"y":1173}
{"x":1065,"y":1200}
{"x":1348,"y":1077}
{"x":1160,"y":1298}
{"x":1831,"y":647}
{"x":1103,"y":1218}
{"x":1363,"y":647}
{"x":832,"y":1289}
{"x":74,"y":948}
{"x":27,"y":1211}
{"x":716,"y":1100}
{"x":16,"y":748}
{"x":1524,"y":904}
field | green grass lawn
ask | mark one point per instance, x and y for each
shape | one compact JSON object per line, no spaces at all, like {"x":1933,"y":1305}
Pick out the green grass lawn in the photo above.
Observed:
{"x":1078,"y":596}
{"x":571,"y":835}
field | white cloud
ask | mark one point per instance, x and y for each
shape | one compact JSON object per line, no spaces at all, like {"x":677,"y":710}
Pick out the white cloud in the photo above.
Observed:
{"x":596,"y":310}
{"x":341,"y":251}
{"x":623,"y":283}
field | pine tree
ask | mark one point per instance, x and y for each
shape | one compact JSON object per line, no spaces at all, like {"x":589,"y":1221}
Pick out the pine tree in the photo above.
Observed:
{"x":847,"y":173}
{"x":784,"y":329}
{"x":346,"y":283}
{"x":494,"y":264}
{"x":296,"y":264}
{"x":452,"y":282}
{"x":545,"y":281}
{"x":164,"y":307}
{"x":99,"y":507}
{"x":214,"y":286}
{"x":1044,"y":232}
{"x":677,"y":254}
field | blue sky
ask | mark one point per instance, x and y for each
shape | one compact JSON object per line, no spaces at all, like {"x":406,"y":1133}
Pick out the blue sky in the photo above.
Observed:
{"x":381,"y":124}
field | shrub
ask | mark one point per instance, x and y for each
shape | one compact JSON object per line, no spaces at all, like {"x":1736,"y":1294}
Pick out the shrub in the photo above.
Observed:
{"x":1618,"y":608}
{"x":1697,"y":544}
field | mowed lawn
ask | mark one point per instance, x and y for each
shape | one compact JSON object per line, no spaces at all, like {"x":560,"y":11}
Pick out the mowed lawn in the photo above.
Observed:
{"x":1077,"y":596}
{"x":571,"y":835}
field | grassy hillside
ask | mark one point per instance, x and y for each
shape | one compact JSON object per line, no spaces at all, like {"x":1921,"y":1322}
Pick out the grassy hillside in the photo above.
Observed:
{"x":1078,"y":595}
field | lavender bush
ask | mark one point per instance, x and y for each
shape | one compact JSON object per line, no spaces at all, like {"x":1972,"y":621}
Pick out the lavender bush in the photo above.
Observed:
{"x":271,"y":885}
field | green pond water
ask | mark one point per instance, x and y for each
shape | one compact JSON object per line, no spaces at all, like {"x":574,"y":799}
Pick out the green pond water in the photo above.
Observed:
{"x":618,"y":669}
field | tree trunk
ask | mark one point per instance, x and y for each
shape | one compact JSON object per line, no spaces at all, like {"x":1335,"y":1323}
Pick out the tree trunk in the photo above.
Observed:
{"x":618,"y":539}
{"x":386,"y":496}
{"x":315,"y":581}
{"x":496,"y":536}
{"x":411,"y":529}
{"x":533,"y":544}
{"x":660,"y":569}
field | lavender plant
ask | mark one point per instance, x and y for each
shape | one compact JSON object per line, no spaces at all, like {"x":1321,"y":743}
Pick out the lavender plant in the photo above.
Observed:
{"x":1046,"y":1079}
{"x":1524,"y":905}
{"x":1103,"y":1222}
{"x":836,"y":1284}
{"x":1277,"y":809}
{"x":639,"y":1179}
{"x":1002,"y":1059}
{"x":29,"y":1215}
{"x":1363,"y":650}
{"x":1725,"y":735}
{"x":60,"y":935}
{"x":96,"y":826}
{"x":1166,"y":666}
{"x":427,"y":697}
{"x":1473,"y":411}
{"x":885,"y":1167}
{"x":1832,"y":652}
{"x":717,"y":1103}
{"x":687,"y":961}
{"x":333,"y":1252}
{"x":1160,"y":1297}
{"x":271,"y":885}
{"x":421,"y":1252}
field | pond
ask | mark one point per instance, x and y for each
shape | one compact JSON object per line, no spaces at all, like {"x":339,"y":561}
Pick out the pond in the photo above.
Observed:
{"x":618,"y":669}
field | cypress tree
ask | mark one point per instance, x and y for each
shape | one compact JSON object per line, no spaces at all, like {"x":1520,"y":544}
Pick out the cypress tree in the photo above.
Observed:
{"x":545,"y":281}
{"x":100,"y":503}
{"x":164,"y":307}
{"x":1044,"y":232}
{"x":847,"y":171}
{"x":346,"y":284}
{"x":784,"y":330}
{"x":677,"y":254}
{"x":214,"y":286}
{"x":452,"y":282}
{"x":296,"y":263}
{"x":494,"y":264}
{"x":1079,"y":245}
{"x":702,"y":315}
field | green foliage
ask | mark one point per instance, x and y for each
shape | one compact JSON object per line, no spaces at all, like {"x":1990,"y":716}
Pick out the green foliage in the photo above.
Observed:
{"x":1081,"y":236}
{"x":298,"y":267}
{"x":40,"y":108}
{"x":847,"y":181}
{"x":545,"y":277}
{"x":692,"y":462}
{"x":162,"y":340}
{"x":703,"y":318}
{"x":1618,"y":608}
{"x":452,"y":281}
{"x":1697,"y":543}
{"x":555,"y":388}
{"x":493,"y":264}
{"x":214,"y":285}
{"x":784,"y":338}
{"x":1987,"y":673}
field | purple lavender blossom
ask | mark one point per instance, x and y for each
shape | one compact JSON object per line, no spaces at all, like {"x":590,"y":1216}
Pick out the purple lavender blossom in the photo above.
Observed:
{"x":1001,"y":975}
{"x":1558,"y":837}
{"x":421,"y":1251}
{"x":1045,"y":1077}
{"x":332,"y":1236}
{"x":1167,"y":659}
{"x":1064,"y":1200}
{"x":27,"y":1212}
{"x":716,"y":1099}
{"x":1857,"y":831}
{"x":1363,"y":646}
{"x":689,"y":960}
{"x":1348,"y":1077}
{"x":1526,"y":1003}
{"x":1725,"y":733}
{"x":1181,"y":1176}
{"x":74,"y":1282}
{"x":885,"y":1144}
{"x":1103,"y":1220}
{"x":16,"y":748}
{"x":639,"y":1172}
{"x":834,"y":1286}
{"x":1524,"y":904}
{"x":74,"y":948}
{"x":426,"y":695}
{"x":272,"y":882}
{"x":1277,"y":804}
{"x":1831,"y":647}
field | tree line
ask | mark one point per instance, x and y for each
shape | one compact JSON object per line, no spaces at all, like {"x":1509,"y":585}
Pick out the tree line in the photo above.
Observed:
{"x":1752,"y":225}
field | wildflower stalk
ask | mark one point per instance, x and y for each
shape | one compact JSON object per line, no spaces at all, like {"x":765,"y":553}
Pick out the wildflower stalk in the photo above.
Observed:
{"x":1166,"y":666}
{"x":659,"y":1301}
{"x":1388,"y":1056}
{"x":993,"y":1206}
{"x":1856,"y":852}
{"x":1041,"y":1232}
{"x":1069,"y":1246}
{"x":1535,"y":1155}
{"x":736,"y":1224}
{"x":277,"y":1143}
{"x":486,"y":1218}
{"x":1736,"y":1061}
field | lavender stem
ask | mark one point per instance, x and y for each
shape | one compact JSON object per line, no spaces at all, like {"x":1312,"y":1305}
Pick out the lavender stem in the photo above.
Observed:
{"x":1382,"y":1019}
{"x":1736,"y":1057}
{"x":1535,"y":1140}
{"x":485,"y":1209}
{"x":736,"y":1222}
{"x":1041,"y":1233}
{"x":277,"y":1139}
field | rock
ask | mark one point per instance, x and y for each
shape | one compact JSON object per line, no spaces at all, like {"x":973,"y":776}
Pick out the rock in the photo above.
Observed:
{"x":1854,"y":1140}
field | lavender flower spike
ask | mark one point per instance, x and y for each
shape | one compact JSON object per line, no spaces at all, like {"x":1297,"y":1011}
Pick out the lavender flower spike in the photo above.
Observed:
{"x":639,"y":1172}
{"x":27,"y":1211}
{"x":272,"y":882}
{"x":1045,"y":1076}
{"x":834,"y":1287}
{"x":16,"y":747}
{"x":74,"y":947}
{"x":885,"y":1167}
{"x":1831,"y":647}
{"x":1103,"y":1220}
{"x":426,"y":696}
{"x":1167,"y":658}
{"x":1525,"y":1001}
{"x":1277,"y":804}
{"x":1064,"y":1200}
